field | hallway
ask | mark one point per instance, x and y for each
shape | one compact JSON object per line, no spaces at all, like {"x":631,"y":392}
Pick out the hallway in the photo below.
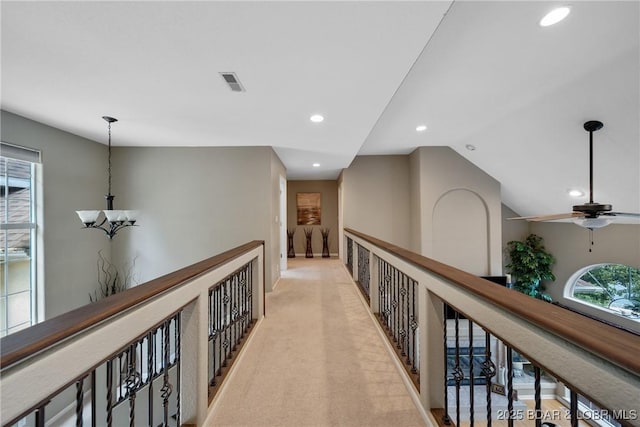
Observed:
{"x":317,"y":359}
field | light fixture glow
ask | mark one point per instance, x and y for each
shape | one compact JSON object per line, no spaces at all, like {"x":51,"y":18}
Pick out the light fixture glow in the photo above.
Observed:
{"x":421,"y":128}
{"x":592,"y":222}
{"x":576,"y":193}
{"x":555,"y":16}
{"x":316,"y":118}
{"x":316,"y":165}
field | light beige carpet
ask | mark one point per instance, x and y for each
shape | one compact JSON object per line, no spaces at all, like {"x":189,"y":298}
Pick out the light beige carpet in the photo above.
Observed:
{"x":316,"y":360}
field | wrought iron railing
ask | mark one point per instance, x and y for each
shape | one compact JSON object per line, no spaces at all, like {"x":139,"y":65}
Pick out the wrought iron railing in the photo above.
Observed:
{"x":398,"y":313}
{"x":487,"y":355}
{"x":134,"y":358}
{"x":350,"y":255}
{"x":363,"y":277}
{"x":230,"y":303}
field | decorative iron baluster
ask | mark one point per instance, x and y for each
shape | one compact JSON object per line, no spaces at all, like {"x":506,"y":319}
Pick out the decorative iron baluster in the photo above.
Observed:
{"x":40,"y":416}
{"x":446,"y":419}
{"x":398,"y":308}
{"x":458,"y":375}
{"x":94,"y":417}
{"x":234,"y":312}
{"x":79,"y":402}
{"x":537,"y":397}
{"x":120,"y":387}
{"x":471,"y":379}
{"x":414,"y":326}
{"x":384,"y":306}
{"x":573,"y":407}
{"x":350,"y":255}
{"x":178,"y":329}
{"x":166,"y":389}
{"x":225,"y":321}
{"x":402,"y":333}
{"x":109,"y":393}
{"x":243,"y":301}
{"x":220,"y":293}
{"x":510,"y":386}
{"x":132,"y":380}
{"x":488,"y":371}
{"x":250,"y":291}
{"x":150,"y":370}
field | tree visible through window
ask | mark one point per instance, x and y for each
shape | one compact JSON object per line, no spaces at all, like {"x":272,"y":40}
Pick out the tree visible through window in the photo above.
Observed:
{"x":612,"y":286}
{"x":17,"y":242}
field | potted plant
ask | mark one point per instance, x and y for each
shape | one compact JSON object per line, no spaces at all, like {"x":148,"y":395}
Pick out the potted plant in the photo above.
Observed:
{"x":530,"y":264}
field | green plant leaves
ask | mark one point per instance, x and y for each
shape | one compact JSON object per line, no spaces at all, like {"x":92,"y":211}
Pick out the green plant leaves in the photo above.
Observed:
{"x":530,"y":264}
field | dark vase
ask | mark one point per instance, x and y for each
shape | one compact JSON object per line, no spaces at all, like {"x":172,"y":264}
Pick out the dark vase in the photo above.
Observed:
{"x":325,"y":242}
{"x":308,"y":232}
{"x":291,"y":253}
{"x":325,"y":246}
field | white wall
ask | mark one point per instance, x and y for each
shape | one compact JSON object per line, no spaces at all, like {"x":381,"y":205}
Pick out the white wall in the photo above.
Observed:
{"x":74,"y":178}
{"x":195,"y":202}
{"x":277,"y":170}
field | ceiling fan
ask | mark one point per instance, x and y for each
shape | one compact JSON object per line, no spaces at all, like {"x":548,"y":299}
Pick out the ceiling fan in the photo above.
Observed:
{"x":589,"y":215}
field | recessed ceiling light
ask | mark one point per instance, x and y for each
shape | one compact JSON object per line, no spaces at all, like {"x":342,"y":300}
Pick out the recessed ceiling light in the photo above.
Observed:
{"x":316,"y":118}
{"x":555,"y":16}
{"x":316,"y":165}
{"x":576,"y":193}
{"x":470,"y":147}
{"x":421,"y":128}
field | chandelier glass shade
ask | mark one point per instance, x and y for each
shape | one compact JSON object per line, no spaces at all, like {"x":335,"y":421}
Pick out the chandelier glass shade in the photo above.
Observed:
{"x":113,"y":219}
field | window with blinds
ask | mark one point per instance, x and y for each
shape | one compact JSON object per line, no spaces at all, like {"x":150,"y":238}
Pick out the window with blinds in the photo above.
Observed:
{"x":18,"y":227}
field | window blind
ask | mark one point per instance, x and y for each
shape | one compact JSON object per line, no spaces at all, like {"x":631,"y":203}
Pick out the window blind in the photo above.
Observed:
{"x":19,"y":153}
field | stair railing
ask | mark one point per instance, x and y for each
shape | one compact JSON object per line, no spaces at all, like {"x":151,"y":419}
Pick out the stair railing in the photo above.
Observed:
{"x":151,"y":355}
{"x":468,"y":344}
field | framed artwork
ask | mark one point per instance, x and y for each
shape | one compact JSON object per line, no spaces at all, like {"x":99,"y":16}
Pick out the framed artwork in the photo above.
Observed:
{"x":309,"y":208}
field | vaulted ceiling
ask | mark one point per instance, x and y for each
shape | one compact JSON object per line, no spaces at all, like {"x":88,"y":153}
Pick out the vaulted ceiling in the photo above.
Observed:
{"x":475,"y":73}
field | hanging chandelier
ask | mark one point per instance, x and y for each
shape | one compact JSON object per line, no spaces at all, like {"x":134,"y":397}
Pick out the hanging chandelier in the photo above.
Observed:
{"x":113,"y":220}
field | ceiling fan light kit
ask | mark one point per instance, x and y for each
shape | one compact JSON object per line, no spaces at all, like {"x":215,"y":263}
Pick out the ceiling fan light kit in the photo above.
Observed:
{"x":589,"y":214}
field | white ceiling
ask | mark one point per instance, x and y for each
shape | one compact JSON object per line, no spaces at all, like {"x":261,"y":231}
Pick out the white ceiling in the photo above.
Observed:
{"x":481,"y":73}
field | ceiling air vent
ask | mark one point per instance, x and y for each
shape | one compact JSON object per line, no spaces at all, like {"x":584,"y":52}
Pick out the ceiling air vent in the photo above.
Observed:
{"x":232,"y":81}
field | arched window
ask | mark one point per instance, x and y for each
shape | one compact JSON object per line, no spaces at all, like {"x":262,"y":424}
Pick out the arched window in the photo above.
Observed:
{"x":611,"y":287}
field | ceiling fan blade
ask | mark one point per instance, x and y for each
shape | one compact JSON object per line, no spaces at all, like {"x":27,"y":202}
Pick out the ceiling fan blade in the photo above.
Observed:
{"x":538,"y":218}
{"x":622,"y":214}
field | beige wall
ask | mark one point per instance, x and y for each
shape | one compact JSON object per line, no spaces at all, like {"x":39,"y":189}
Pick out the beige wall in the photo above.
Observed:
{"x":328,"y":190}
{"x":458,"y":202}
{"x":569,"y":243}
{"x":377,"y":198}
{"x":415,"y":202}
{"x":194,"y":202}
{"x":74,"y":178}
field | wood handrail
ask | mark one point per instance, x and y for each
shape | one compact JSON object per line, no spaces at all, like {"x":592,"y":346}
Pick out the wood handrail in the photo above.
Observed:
{"x":27,"y":342}
{"x":618,"y":346}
